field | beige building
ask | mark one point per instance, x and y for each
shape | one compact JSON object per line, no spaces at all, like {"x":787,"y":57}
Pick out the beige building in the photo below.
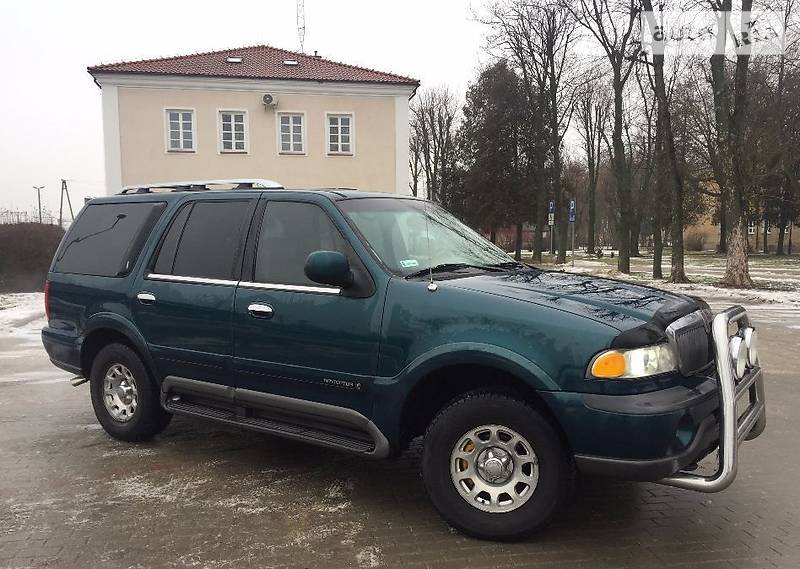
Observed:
{"x":708,"y":233}
{"x":255,"y":112}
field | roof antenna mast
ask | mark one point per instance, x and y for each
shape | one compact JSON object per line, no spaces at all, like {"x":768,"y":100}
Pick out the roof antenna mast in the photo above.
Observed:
{"x":301,"y":23}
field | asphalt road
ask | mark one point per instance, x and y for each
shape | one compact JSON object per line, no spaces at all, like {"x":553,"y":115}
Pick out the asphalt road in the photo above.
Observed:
{"x":206,"y":496}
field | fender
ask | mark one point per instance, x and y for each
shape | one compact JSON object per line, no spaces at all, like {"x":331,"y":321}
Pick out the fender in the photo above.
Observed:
{"x":113,"y":321}
{"x":391,"y":393}
{"x":471,"y":353}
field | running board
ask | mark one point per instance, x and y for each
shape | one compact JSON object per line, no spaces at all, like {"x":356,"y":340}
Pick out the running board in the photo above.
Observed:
{"x":298,"y":419}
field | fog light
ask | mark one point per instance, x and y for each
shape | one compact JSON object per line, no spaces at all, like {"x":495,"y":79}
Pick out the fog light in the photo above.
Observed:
{"x":738,"y":351}
{"x":751,"y":341}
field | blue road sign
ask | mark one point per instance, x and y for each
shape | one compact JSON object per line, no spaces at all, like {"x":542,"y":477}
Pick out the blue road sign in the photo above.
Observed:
{"x":571,"y":211}
{"x":552,"y":208}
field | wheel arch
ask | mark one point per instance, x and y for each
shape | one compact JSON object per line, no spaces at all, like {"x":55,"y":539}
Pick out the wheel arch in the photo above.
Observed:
{"x":108,"y":328}
{"x":441,"y":380}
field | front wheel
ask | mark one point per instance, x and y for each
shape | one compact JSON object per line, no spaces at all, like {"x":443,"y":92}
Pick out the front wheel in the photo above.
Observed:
{"x":494,"y":467}
{"x":124,"y":396}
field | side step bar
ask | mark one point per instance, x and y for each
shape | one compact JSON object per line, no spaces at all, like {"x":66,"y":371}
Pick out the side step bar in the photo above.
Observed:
{"x":733,"y":430}
{"x":298,"y":419}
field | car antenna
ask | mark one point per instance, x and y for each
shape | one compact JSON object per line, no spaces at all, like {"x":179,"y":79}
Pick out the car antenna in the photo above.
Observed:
{"x":432,"y":286}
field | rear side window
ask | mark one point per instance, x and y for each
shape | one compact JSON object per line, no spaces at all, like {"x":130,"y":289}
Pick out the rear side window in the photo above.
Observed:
{"x":205,"y":240}
{"x":107,"y":238}
{"x":290,"y":232}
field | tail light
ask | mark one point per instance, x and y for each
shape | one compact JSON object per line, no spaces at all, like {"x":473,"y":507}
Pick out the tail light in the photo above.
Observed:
{"x":47,"y":300}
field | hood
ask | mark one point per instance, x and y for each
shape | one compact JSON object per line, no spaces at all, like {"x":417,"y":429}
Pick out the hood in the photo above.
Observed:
{"x":619,"y":304}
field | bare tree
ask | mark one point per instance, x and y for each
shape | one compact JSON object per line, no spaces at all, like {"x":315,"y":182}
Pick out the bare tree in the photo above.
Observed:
{"x":433,"y":124}
{"x":592,"y":118}
{"x":414,"y":156}
{"x":538,"y":37}
{"x":730,"y":111}
{"x":667,"y":169}
{"x":612,"y":24}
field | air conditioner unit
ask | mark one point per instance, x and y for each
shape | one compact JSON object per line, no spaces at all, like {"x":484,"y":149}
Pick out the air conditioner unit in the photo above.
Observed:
{"x":269,"y":100}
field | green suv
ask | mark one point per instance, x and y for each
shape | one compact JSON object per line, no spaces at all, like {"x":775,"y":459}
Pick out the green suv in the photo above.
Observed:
{"x":362,"y":321}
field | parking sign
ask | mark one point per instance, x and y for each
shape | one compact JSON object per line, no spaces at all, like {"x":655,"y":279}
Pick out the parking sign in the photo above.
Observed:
{"x":572,"y":211}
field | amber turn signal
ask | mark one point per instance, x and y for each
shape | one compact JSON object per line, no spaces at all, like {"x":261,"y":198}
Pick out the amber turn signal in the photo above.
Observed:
{"x":609,"y":365}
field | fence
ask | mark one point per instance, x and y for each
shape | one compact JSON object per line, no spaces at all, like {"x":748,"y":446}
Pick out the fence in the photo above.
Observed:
{"x":8,"y":216}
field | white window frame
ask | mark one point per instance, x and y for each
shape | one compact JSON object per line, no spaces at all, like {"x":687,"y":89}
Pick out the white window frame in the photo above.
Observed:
{"x":303,"y":133}
{"x":327,"y":136}
{"x":168,"y":149}
{"x":752,"y":227}
{"x":220,"y":143}
{"x":768,"y":227}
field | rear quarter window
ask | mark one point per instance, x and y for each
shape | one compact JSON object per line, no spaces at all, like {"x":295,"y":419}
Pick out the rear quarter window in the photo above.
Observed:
{"x":205,"y":240}
{"x":107,"y":238}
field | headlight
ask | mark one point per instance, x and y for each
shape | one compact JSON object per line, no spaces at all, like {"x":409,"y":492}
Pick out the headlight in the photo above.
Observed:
{"x":633,"y":364}
{"x":751,"y":341}
{"x":738,"y":350}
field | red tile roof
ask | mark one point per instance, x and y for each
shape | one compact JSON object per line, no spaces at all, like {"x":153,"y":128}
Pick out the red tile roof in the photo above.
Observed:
{"x":258,"y":62}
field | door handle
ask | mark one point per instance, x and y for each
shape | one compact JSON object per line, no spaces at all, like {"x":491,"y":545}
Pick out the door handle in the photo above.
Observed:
{"x":260,"y":310}
{"x":146,"y":297}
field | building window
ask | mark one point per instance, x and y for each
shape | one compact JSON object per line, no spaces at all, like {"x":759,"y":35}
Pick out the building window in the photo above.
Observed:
{"x":291,"y":133}
{"x":768,"y":227}
{"x":233,"y":131}
{"x":180,"y":130}
{"x":340,"y":134}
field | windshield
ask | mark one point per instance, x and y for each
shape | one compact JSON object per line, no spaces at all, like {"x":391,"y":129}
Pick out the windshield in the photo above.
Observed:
{"x":397,"y":231}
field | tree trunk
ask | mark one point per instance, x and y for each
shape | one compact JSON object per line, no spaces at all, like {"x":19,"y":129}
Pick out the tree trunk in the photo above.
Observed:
{"x":537,"y":228}
{"x":592,"y":214}
{"x":722,"y":247}
{"x":730,"y":141}
{"x":621,"y":173}
{"x":765,"y":241}
{"x":493,"y":235}
{"x":781,"y":238}
{"x":671,"y":173}
{"x":518,"y":245}
{"x":636,"y":231}
{"x":658,"y":247}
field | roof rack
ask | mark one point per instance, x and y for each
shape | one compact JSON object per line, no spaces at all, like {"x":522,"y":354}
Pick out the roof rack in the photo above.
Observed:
{"x":202,"y":185}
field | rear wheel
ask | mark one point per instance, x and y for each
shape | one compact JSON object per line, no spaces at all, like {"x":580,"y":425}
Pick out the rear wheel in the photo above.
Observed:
{"x":124,"y":396}
{"x":494,"y":467}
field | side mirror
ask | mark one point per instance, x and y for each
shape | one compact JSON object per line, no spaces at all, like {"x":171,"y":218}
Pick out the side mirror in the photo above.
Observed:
{"x":330,"y":268}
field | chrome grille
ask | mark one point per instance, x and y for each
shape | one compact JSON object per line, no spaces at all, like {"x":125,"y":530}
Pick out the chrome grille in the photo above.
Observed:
{"x":691,"y":339}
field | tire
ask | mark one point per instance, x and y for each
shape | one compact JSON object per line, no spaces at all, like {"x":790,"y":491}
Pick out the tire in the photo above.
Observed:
{"x":134,"y":411}
{"x":540,"y":463}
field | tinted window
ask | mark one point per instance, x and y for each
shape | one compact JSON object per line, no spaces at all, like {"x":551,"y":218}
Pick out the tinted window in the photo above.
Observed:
{"x":169,"y":245}
{"x":289,"y":233}
{"x":211,"y":242}
{"x":107,"y":238}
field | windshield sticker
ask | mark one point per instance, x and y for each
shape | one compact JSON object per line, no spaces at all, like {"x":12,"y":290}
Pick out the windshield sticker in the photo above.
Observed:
{"x":408,"y":263}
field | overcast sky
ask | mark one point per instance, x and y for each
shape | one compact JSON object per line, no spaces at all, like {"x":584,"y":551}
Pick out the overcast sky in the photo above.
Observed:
{"x":51,"y":116}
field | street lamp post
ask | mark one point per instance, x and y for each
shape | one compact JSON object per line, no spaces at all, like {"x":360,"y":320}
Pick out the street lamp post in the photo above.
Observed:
{"x":39,"y":197}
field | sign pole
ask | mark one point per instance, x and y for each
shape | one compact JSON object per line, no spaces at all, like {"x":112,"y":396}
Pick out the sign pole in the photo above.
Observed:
{"x":572,"y":210}
{"x":573,"y":244}
{"x":551,"y":215}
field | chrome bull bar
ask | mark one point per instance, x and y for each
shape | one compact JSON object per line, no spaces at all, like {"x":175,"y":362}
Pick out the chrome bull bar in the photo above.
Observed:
{"x":733,"y":429}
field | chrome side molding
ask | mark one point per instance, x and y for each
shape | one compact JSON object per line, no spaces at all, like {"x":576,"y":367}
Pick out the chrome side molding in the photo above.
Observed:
{"x":245,"y":284}
{"x":733,"y":430}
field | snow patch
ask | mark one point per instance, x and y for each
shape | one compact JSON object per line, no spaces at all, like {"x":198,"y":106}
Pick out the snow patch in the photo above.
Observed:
{"x":369,"y":557}
{"x":139,"y":488}
{"x":135,"y":451}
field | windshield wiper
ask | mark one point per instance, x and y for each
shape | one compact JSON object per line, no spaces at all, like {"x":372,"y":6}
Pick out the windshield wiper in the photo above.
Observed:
{"x":508,"y":265}
{"x":447,"y":267}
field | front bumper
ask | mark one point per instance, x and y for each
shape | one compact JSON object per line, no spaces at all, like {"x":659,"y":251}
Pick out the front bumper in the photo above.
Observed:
{"x":707,"y":413}
{"x":734,"y":429}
